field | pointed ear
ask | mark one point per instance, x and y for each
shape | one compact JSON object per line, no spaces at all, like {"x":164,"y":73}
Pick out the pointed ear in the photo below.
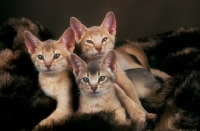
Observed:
{"x":110,"y":61}
{"x":109,"y":23}
{"x":77,"y":64}
{"x":31,"y":41}
{"x":68,"y":40}
{"x":78,"y":27}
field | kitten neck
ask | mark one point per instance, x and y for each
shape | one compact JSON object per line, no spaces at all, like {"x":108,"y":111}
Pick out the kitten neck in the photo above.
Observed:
{"x":53,"y":75}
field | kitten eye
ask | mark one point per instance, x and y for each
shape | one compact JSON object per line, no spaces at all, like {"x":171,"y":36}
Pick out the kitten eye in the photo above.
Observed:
{"x":89,"y":41}
{"x":85,"y":79}
{"x":102,"y":78}
{"x":104,"y":39}
{"x":40,"y":57}
{"x":56,"y":56}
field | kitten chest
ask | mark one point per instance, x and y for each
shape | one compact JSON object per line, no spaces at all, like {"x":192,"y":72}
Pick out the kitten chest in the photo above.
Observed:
{"x":107,"y":102}
{"x":55,"y":86}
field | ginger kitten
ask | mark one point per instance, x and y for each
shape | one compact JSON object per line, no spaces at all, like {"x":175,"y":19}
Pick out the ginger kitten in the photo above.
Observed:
{"x":93,"y":43}
{"x":51,"y":58}
{"x":96,"y":82}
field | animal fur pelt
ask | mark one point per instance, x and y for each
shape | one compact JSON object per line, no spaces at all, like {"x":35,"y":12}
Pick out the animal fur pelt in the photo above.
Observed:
{"x":102,"y":121}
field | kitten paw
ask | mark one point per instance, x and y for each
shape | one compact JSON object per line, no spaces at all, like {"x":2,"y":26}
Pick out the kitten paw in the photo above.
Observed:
{"x":120,"y":117}
{"x":46,"y":123}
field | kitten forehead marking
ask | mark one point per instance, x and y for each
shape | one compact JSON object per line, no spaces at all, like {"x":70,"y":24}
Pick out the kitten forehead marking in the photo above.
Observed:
{"x":48,"y":45}
{"x":93,"y":68}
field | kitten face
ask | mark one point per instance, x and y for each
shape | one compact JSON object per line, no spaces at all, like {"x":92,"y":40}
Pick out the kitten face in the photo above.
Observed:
{"x":95,"y":78}
{"x":96,"y":41}
{"x":51,"y":56}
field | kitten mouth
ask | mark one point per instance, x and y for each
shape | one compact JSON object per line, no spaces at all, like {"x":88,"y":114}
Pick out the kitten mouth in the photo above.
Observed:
{"x":49,"y":71}
{"x":95,"y":93}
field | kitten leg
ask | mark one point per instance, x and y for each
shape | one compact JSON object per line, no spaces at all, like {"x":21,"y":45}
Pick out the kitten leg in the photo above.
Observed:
{"x":120,"y":116}
{"x":137,"y":115}
{"x":125,"y":83}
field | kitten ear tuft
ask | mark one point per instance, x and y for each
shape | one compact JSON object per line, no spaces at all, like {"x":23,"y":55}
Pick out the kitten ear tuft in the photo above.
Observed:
{"x":109,"y":23}
{"x":31,"y":41}
{"x":77,"y":64}
{"x":68,"y":40}
{"x":78,"y":27}
{"x":110,"y":61}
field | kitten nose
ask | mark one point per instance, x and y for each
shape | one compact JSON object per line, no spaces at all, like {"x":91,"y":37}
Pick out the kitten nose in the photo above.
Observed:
{"x":98,"y":48}
{"x":94,"y":87}
{"x":48,"y":64}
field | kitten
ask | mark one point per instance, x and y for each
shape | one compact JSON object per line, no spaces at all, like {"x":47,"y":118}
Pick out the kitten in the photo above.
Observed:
{"x":94,"y":42}
{"x":51,"y":58}
{"x":96,"y":82}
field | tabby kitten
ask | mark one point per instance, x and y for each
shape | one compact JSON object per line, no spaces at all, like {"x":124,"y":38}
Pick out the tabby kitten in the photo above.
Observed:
{"x":96,"y":82}
{"x":93,"y":43}
{"x":51,"y":58}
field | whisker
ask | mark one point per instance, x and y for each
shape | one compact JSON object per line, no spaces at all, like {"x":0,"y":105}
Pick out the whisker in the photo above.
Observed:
{"x":85,"y":55}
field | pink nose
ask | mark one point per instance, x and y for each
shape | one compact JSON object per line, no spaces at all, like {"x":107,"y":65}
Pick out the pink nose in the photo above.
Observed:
{"x":94,"y":87}
{"x":47,"y":65}
{"x":99,"y":48}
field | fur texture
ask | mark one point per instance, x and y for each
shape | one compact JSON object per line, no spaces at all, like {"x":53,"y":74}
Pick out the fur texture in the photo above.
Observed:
{"x":177,"y":103}
{"x":144,"y":82}
{"x":172,"y":52}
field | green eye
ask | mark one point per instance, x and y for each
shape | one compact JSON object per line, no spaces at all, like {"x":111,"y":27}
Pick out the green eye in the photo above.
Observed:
{"x":101,"y":78}
{"x":104,"y":39}
{"x":89,"y":41}
{"x":56,"y":56}
{"x":85,"y":80}
{"x":40,"y":57}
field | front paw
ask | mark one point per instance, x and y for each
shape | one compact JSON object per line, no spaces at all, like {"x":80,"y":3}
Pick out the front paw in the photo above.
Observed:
{"x":138,"y":119}
{"x":144,"y":121}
